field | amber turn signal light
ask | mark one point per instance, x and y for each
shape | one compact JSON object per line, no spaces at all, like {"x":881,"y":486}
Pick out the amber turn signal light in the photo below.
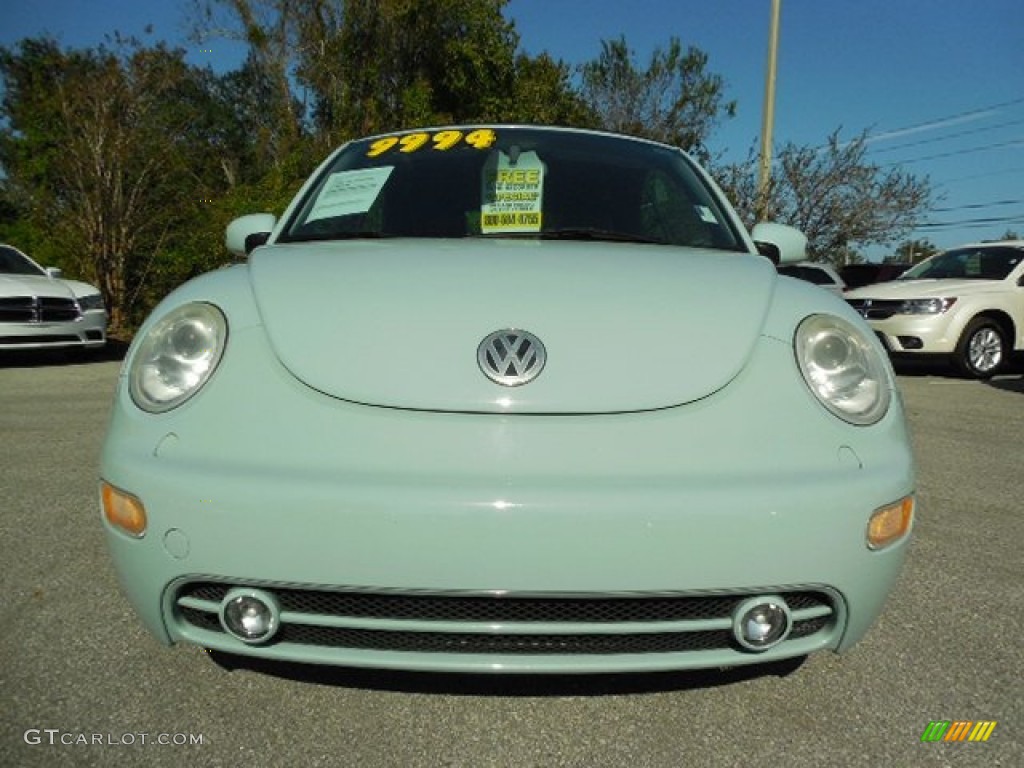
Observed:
{"x":891,"y":522}
{"x":123,"y":511}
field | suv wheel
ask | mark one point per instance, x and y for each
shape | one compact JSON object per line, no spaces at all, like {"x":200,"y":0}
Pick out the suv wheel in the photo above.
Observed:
{"x":981,"y":350}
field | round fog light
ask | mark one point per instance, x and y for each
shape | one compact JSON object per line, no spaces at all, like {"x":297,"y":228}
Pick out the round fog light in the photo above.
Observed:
{"x":250,"y":615}
{"x":761,"y":622}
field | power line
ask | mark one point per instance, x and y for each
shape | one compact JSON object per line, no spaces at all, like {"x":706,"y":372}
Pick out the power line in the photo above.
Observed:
{"x":972,"y":223}
{"x":974,"y":206}
{"x":956,"y":153}
{"x":943,"y":121}
{"x":936,"y":122}
{"x":1002,"y":172}
{"x":932,"y":124}
{"x":958,"y":135}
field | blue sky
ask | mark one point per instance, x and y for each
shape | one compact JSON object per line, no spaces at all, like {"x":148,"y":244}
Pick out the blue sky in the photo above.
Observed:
{"x":938,"y":83}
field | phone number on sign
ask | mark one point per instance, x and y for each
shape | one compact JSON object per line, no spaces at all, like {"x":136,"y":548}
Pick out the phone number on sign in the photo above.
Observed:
{"x":55,"y":736}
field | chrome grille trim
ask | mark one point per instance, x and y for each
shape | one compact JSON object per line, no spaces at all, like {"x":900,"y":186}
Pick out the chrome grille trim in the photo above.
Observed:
{"x":502,"y":607}
{"x":500,"y":623}
{"x":876,"y":309}
{"x":38,"y":309}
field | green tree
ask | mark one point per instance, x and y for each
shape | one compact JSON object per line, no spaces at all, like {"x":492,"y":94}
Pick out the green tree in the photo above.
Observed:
{"x":542,"y":93}
{"x":409,"y":62}
{"x":263,"y":87}
{"x":675,"y":99}
{"x":913,"y":251}
{"x":366,"y":66}
{"x":833,"y":194}
{"x":250,"y":140}
{"x":106,"y":157}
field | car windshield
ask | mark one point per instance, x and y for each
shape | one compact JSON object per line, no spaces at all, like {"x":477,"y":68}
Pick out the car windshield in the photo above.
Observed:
{"x":13,"y":263}
{"x":982,"y":263}
{"x":516,"y":183}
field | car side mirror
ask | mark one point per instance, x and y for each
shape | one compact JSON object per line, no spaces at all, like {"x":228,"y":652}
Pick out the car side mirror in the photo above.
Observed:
{"x":247,"y":233}
{"x":255,"y":240}
{"x":780,"y":243}
{"x":54,"y":273}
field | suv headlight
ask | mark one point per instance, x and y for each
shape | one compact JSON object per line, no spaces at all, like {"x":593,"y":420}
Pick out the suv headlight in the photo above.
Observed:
{"x":843,"y":368}
{"x":177,"y":356}
{"x":926,"y":306}
{"x":92,"y":301}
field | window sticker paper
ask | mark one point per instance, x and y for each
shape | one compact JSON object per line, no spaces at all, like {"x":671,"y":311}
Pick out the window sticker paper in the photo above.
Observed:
{"x":706,"y":214}
{"x":349,"y":192}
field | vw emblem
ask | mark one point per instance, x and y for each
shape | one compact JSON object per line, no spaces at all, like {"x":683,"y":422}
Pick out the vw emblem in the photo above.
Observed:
{"x":511,"y":358}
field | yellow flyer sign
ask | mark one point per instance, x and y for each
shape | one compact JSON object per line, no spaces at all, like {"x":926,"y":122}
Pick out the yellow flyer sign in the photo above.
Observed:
{"x":513,"y":194}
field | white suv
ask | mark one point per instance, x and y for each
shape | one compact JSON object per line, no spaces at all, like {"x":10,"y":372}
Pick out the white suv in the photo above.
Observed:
{"x":966,"y":303}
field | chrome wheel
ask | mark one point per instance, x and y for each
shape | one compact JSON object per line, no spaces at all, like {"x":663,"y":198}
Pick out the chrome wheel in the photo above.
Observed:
{"x":985,"y":350}
{"x":982,"y":348}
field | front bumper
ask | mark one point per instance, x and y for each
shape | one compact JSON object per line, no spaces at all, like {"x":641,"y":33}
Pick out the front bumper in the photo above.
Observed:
{"x":261,"y":482}
{"x":918,"y":334}
{"x":89,"y":331}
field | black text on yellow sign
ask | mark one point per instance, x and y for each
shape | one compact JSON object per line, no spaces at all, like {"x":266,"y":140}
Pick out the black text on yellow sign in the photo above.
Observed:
{"x":508,"y":220}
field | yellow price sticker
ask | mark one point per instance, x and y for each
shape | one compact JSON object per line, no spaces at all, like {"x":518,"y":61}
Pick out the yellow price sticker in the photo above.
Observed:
{"x":380,"y":146}
{"x":481,"y":138}
{"x":413,"y":141}
{"x":445,"y":140}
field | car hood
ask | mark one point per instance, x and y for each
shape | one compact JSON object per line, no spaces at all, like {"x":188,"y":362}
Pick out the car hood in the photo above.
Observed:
{"x":925,"y":289}
{"x":31,"y":285}
{"x":81,"y":289}
{"x":398,"y":323}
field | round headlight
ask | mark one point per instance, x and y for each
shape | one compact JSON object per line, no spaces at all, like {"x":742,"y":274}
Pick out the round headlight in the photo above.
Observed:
{"x":843,"y":368}
{"x":176,"y":356}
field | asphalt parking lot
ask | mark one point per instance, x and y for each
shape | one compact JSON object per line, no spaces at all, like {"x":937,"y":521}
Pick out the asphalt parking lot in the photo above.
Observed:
{"x":75,"y":665}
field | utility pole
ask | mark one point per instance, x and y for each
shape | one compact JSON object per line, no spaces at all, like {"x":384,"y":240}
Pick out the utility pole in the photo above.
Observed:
{"x":768,"y":120}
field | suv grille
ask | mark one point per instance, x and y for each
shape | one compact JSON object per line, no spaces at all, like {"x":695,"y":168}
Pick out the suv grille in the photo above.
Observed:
{"x":38,"y":309}
{"x":876,"y":309}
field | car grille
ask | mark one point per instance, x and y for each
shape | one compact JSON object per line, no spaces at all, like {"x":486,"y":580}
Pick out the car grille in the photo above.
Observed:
{"x":876,"y":309}
{"x":38,"y":309}
{"x":548,"y":625}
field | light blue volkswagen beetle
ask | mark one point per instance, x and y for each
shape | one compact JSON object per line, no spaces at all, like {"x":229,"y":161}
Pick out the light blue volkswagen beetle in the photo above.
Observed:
{"x":507,"y":399}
